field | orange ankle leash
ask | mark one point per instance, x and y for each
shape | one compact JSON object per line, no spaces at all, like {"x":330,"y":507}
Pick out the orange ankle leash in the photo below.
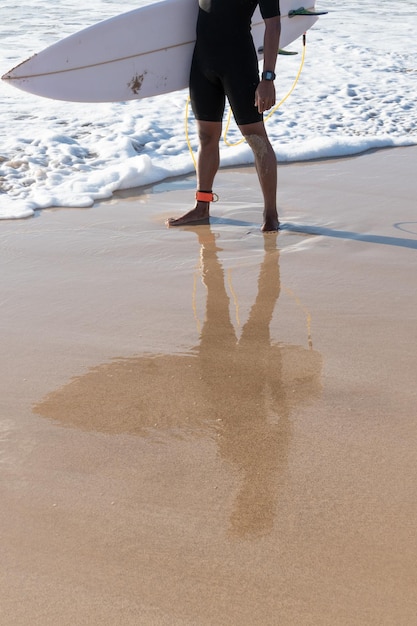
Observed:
{"x":206,"y":196}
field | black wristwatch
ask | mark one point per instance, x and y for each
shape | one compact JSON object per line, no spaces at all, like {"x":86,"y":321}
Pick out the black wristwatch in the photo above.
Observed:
{"x":268,"y":75}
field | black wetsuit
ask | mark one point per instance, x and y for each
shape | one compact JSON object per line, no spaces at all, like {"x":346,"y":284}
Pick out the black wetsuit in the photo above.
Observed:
{"x":225,"y":61}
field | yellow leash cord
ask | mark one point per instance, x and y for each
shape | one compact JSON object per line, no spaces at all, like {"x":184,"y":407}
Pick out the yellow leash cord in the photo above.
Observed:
{"x":187,"y":137}
{"x":276,"y":107}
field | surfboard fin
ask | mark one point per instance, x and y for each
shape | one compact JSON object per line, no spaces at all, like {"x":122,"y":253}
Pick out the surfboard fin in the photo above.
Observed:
{"x":287,"y":53}
{"x":303,"y":11}
{"x":280,"y":51}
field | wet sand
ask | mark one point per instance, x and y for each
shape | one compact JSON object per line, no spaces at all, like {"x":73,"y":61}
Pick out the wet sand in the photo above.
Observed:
{"x":210,"y":425}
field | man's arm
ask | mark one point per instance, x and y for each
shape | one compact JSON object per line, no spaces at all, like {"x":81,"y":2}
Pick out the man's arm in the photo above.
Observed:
{"x":265,"y":93}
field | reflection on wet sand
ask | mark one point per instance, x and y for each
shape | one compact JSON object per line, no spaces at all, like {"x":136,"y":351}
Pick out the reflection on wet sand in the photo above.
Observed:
{"x":241,"y":391}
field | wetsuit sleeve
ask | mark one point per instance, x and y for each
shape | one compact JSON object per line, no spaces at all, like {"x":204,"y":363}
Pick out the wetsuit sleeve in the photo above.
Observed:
{"x":269,"y":8}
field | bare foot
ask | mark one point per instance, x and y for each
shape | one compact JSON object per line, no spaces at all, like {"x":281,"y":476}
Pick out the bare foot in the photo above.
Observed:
{"x":198,"y":215}
{"x":271,"y":224}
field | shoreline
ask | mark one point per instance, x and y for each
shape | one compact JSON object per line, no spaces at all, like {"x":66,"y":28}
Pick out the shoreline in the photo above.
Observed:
{"x":134,"y":191}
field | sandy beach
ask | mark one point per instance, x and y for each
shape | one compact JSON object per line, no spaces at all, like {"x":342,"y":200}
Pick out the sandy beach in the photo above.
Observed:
{"x":208,"y":425}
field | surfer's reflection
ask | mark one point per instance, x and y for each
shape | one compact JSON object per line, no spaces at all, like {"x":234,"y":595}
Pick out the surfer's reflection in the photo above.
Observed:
{"x":250,"y":386}
{"x":242,"y":390}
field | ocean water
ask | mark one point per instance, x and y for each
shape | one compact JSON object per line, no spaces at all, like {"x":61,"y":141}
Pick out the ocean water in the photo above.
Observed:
{"x":357,"y":91}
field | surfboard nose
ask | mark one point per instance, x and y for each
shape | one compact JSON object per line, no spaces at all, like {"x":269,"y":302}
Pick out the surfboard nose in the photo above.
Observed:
{"x":13,"y":73}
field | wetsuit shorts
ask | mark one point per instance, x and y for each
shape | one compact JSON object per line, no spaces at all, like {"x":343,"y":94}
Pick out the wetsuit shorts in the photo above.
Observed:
{"x":225,"y":62}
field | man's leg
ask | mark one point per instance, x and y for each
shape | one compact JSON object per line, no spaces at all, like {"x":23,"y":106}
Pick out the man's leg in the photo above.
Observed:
{"x":266,"y":168}
{"x":208,"y":160}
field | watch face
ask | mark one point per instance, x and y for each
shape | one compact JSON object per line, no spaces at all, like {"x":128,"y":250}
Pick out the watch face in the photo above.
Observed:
{"x":268,"y":75}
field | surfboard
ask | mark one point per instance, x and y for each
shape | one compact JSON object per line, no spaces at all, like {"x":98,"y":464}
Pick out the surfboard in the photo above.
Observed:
{"x":138,"y":54}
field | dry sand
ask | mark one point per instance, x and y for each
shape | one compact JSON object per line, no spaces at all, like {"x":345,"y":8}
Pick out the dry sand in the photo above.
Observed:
{"x":208,"y":425}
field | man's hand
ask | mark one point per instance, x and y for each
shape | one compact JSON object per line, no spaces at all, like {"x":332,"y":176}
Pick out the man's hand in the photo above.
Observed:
{"x":265,"y":95}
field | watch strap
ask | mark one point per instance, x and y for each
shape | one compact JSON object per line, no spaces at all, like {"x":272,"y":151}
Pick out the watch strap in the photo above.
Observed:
{"x":268,"y":75}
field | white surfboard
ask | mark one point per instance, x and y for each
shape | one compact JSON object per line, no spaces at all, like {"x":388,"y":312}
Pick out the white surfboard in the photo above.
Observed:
{"x":141,"y":53}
